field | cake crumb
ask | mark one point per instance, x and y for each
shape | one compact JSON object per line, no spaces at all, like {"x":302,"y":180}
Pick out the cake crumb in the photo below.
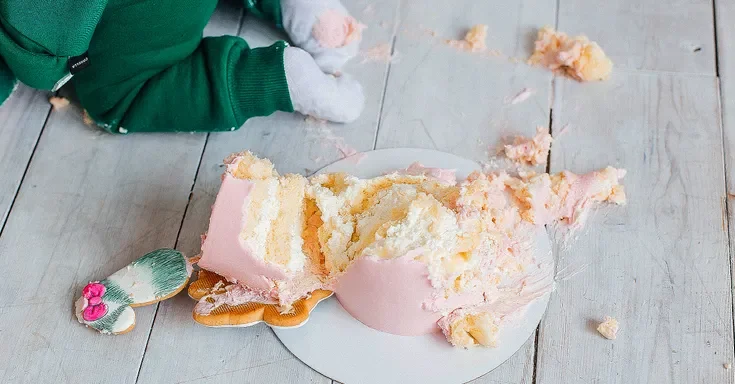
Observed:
{"x":474,"y":40}
{"x":608,"y":328}
{"x":532,"y":151}
{"x":576,"y":57}
{"x":58,"y":103}
{"x":379,"y":53}
{"x":87,"y":119}
{"x":727,"y":365}
{"x":319,"y":129}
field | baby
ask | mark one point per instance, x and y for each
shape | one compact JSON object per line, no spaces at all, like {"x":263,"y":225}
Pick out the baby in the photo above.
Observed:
{"x":143,"y":66}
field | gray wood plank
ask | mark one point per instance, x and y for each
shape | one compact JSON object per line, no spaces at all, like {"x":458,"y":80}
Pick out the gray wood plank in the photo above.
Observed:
{"x":660,"y":264}
{"x":455,"y":101}
{"x":21,"y":121}
{"x":254,"y":354}
{"x":725,"y":12}
{"x":659,"y":35}
{"x":90,"y":204}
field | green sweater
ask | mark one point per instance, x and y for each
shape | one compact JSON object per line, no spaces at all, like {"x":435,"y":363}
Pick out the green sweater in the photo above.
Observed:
{"x":149,"y":69}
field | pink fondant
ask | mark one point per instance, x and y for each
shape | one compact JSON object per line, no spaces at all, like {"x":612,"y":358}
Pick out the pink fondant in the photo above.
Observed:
{"x":223,"y":252}
{"x":388,"y":295}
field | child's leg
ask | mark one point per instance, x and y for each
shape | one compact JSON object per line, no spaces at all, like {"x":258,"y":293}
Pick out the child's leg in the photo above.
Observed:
{"x":161,"y":75}
{"x":218,"y":87}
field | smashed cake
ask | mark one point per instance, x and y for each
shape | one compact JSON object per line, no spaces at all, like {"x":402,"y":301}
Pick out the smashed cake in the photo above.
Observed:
{"x":409,"y":253}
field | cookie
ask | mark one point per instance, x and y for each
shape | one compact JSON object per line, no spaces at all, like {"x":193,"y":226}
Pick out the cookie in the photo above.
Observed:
{"x":107,"y":305}
{"x":247,"y":314}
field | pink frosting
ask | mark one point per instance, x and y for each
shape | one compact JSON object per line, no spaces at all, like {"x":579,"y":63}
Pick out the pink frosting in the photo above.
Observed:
{"x":223,"y":252}
{"x":388,"y":295}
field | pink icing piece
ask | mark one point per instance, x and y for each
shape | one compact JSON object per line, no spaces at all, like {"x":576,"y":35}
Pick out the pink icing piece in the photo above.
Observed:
{"x":222,"y":251}
{"x":387,"y":295}
{"x":95,"y":300}
{"x":94,"y":312}
{"x":443,"y":174}
{"x":93,"y":289}
{"x":334,"y":30}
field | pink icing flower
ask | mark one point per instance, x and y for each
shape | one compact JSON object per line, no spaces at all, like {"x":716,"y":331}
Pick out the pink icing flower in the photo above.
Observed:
{"x":94,"y":308}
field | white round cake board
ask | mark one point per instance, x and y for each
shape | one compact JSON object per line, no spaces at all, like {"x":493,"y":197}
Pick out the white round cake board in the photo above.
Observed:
{"x":340,"y":347}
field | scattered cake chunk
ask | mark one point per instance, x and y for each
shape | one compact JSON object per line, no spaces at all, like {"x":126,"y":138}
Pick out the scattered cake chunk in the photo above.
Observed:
{"x":608,"y":328}
{"x":727,"y":365}
{"x":464,"y":329}
{"x":58,"y":103}
{"x":577,"y":57}
{"x":474,"y":39}
{"x":532,"y":151}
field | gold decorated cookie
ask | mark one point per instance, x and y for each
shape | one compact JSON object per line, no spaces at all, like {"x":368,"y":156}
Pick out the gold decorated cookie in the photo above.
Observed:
{"x":210,"y":284}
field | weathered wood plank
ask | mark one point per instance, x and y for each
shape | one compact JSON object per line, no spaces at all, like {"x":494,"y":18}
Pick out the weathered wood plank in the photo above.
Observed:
{"x":254,"y":354}
{"x":21,"y":120}
{"x":659,"y":35}
{"x":455,"y":101}
{"x":660,"y":264}
{"x":90,"y":204}
{"x":725,"y":11}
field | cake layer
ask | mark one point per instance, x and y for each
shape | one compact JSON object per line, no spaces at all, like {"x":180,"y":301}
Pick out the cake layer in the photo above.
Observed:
{"x":223,"y":251}
{"x":256,"y":231}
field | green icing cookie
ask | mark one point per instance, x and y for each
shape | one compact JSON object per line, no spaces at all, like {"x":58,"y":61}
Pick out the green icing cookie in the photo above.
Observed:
{"x":107,"y":305}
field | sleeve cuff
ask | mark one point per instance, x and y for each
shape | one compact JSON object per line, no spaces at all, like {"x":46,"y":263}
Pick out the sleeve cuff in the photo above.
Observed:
{"x":258,"y":83}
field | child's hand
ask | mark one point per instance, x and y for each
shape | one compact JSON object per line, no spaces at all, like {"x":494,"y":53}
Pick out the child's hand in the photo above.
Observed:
{"x":323,"y":28}
{"x":339,"y":99}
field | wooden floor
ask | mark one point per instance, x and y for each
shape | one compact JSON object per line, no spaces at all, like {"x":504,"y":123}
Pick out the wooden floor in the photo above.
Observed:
{"x":77,"y":204}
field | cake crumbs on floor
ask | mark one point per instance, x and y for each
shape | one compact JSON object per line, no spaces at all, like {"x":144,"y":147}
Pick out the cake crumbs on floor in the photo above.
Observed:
{"x":727,"y":365}
{"x":319,"y":129}
{"x":474,"y":40}
{"x":379,"y":53}
{"x":58,"y":103}
{"x":576,"y":57}
{"x":609,"y":328}
{"x":531,"y":151}
{"x":87,"y":119}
